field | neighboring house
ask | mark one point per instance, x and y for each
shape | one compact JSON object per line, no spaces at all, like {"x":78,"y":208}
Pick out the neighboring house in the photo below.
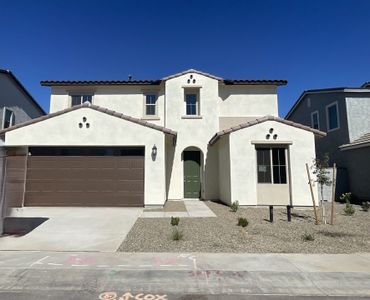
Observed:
{"x":344,"y":113}
{"x":16,"y":106}
{"x":141,"y":142}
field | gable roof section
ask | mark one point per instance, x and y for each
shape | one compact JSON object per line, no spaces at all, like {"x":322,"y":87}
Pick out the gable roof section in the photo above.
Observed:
{"x":159,"y":81}
{"x":23,"y":89}
{"x":362,"y":141}
{"x":363,"y":89}
{"x":220,"y":134}
{"x":192,"y":71}
{"x":94,"y":107}
{"x":366,"y":85}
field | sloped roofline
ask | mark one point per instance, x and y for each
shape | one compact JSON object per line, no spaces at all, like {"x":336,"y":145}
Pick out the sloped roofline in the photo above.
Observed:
{"x":23,"y":89}
{"x":159,"y":81}
{"x":361,"y":89}
{"x":220,"y":134}
{"x":97,"y":108}
{"x":362,"y":141}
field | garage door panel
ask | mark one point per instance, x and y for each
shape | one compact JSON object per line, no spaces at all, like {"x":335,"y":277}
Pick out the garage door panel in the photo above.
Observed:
{"x":85,"y":181}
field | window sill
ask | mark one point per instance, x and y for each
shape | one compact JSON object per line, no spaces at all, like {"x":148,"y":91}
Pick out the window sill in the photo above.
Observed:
{"x":191,"y":117}
{"x":151,"y":118}
{"x":334,"y":129}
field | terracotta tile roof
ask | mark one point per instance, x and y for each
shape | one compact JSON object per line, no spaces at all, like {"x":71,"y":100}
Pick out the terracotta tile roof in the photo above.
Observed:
{"x":98,"y":82}
{"x":94,"y":107}
{"x":159,"y":81}
{"x":254,"y":82}
{"x":362,"y":141}
{"x":23,"y":89}
{"x":219,"y":134}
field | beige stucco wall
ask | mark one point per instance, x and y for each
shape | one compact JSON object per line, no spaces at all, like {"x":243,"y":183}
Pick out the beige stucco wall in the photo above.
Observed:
{"x":248,"y":100}
{"x":243,"y":161}
{"x":224,"y":182}
{"x":105,"y":130}
{"x":191,"y":132}
{"x":128,"y":100}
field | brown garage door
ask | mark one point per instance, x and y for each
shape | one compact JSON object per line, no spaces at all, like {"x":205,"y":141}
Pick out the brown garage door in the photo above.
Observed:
{"x":85,"y":181}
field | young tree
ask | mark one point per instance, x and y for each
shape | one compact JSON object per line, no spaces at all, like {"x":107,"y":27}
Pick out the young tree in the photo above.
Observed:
{"x":320,"y":167}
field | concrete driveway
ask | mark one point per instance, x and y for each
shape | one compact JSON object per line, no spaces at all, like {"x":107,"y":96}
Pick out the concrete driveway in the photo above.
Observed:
{"x":74,"y":229}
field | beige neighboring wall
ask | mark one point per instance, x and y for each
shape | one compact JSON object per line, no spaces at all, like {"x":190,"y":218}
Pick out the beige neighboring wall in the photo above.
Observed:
{"x":63,"y":130}
{"x":243,"y":162}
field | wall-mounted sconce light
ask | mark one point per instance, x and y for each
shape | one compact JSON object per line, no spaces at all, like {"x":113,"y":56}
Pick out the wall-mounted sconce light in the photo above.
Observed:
{"x":154,"y":151}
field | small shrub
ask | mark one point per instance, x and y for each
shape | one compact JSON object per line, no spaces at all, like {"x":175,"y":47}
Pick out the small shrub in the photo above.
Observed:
{"x":349,"y":210}
{"x":308,"y":237}
{"x":175,"y":221}
{"x":345,"y":198}
{"x":243,"y":222}
{"x":234,"y":206}
{"x":365,"y":206}
{"x":177,"y":234}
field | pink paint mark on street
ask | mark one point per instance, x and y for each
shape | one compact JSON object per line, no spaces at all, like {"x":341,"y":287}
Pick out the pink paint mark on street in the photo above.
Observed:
{"x":74,"y":260}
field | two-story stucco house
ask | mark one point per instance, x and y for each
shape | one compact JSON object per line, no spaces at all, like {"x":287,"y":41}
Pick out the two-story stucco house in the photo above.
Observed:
{"x":344,"y":113}
{"x":16,"y":106}
{"x":141,"y":142}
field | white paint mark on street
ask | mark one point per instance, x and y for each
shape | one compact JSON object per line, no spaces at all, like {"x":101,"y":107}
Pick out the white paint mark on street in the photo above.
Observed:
{"x":145,"y":266}
{"x":103,"y":266}
{"x":39,"y":262}
{"x":123,"y":265}
{"x":53,"y":264}
{"x":79,"y":265}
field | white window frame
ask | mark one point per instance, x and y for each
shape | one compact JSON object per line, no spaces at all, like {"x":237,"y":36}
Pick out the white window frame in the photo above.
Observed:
{"x":196,"y":91}
{"x":155,"y":116}
{"x":286,"y":155}
{"x":80,"y":94}
{"x":327,"y":116}
{"x":318,"y":119}
{"x":11,"y":118}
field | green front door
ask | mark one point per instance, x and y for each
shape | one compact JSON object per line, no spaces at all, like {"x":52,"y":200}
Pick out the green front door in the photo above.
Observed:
{"x":191,"y":174}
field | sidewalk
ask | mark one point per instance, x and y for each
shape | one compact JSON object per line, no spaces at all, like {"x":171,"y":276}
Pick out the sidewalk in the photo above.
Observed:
{"x":192,"y":273}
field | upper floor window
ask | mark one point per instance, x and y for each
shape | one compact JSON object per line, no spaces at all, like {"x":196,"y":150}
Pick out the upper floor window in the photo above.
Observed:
{"x":192,"y":102}
{"x":332,"y":116}
{"x":315,"y":123}
{"x":80,"y":99}
{"x":8,"y":118}
{"x":271,"y":165}
{"x":151,"y":105}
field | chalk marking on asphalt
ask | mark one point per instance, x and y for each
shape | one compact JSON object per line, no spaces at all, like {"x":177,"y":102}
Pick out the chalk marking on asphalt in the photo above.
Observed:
{"x":54,"y":264}
{"x":144,"y":266}
{"x":79,"y":265}
{"x":39,"y":262}
{"x":103,"y":266}
{"x":182,"y":265}
{"x":166,"y":265}
{"x":123,"y":265}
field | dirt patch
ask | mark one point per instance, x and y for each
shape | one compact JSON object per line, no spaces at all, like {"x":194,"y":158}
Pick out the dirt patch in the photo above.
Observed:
{"x":349,"y":234}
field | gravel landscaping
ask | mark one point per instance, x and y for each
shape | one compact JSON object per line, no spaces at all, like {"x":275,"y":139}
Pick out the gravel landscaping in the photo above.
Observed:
{"x":349,"y":234}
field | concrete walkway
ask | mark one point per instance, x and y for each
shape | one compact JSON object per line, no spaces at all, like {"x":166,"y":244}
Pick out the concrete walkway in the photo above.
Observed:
{"x":194,"y":209}
{"x":74,"y":229}
{"x":250,"y":276}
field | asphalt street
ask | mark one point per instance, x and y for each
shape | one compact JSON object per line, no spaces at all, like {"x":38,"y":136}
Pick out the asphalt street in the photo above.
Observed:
{"x":164,"y":276}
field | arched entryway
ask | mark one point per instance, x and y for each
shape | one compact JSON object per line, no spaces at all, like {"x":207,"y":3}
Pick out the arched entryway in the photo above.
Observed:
{"x":192,"y":158}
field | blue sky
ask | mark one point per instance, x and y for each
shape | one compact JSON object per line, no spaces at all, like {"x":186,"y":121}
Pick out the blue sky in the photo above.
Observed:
{"x":312,"y":44}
